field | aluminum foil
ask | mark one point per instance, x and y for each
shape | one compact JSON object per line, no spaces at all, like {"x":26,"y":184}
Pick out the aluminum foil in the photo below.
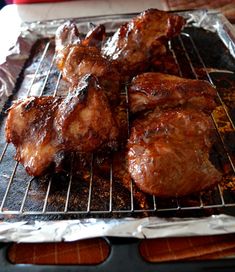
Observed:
{"x":70,"y":230}
{"x":13,"y":63}
{"x":151,"y":227}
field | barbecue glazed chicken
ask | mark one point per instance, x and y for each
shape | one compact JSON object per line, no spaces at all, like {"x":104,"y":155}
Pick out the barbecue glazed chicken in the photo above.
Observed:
{"x":30,"y":128}
{"x":44,"y":128}
{"x":80,"y":56}
{"x":95,"y":37}
{"x":168,"y":152}
{"x":168,"y":148}
{"x":150,"y":90}
{"x":68,"y":34}
{"x":135,"y":43}
{"x":79,"y":118}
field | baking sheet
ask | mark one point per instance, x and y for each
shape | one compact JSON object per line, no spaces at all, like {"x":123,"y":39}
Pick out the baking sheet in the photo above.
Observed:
{"x":148,"y":227}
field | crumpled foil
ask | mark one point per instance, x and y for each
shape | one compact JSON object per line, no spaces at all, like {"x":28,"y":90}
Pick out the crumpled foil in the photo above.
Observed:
{"x":70,"y":230}
{"x":13,"y":63}
{"x":150,"y":227}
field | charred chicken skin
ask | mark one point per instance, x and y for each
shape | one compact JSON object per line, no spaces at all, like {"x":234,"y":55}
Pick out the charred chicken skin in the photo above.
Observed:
{"x":82,"y":60}
{"x":95,"y":37}
{"x":43,"y":128}
{"x":169,"y":153}
{"x":79,"y":118}
{"x":150,"y":90}
{"x":135,"y":42}
{"x":29,"y":127}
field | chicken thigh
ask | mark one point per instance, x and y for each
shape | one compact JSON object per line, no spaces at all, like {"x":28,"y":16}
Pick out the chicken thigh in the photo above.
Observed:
{"x":136,"y":42}
{"x":43,"y":129}
{"x":168,"y":152}
{"x":150,"y":90}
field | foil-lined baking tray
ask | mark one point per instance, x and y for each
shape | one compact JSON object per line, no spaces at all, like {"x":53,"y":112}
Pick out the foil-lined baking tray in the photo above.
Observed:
{"x":63,"y":207}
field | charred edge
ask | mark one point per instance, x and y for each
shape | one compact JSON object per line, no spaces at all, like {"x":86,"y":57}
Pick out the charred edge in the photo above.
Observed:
{"x":30,"y":104}
{"x":87,"y":82}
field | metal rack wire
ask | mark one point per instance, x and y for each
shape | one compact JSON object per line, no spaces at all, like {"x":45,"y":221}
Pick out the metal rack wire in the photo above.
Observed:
{"x":155,"y":205}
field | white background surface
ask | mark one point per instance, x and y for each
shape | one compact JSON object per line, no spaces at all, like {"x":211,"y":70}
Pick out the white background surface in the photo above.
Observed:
{"x":12,"y":16}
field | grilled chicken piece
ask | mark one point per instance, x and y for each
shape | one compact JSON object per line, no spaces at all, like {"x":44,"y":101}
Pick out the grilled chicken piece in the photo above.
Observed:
{"x":95,"y":36}
{"x":151,"y":90}
{"x":165,"y":63}
{"x":66,"y":35}
{"x":85,"y":120}
{"x":135,"y":42}
{"x":169,"y":153}
{"x":44,"y":128}
{"x":82,"y":60}
{"x":76,"y":59}
{"x":30,"y":128}
{"x":121,"y":174}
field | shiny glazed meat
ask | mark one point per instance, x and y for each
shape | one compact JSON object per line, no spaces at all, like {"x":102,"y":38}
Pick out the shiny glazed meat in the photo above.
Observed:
{"x":95,"y":36}
{"x":67,"y":34}
{"x":82,"y":56}
{"x":168,"y":153}
{"x":44,"y":128}
{"x":168,"y":149}
{"x":79,"y":118}
{"x":80,"y":60}
{"x":30,"y":128}
{"x":135,"y":42}
{"x":150,"y":90}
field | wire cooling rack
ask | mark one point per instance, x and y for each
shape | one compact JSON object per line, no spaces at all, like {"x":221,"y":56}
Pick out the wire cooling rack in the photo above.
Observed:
{"x":70,"y":194}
